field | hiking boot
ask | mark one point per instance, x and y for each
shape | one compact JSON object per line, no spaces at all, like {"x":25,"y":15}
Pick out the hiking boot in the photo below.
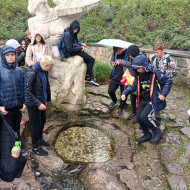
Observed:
{"x":158,"y":121}
{"x":144,"y":138}
{"x":43,"y":143}
{"x":157,"y":135}
{"x":112,"y":105}
{"x":39,"y":151}
{"x":119,"y":113}
{"x":131,"y":116}
{"x":94,"y":83}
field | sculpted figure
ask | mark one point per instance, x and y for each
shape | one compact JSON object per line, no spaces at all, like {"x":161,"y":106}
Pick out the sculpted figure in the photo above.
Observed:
{"x":67,"y":76}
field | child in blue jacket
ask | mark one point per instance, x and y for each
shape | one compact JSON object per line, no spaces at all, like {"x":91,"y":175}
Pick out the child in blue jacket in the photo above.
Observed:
{"x":12,"y":88}
{"x":150,"y":97}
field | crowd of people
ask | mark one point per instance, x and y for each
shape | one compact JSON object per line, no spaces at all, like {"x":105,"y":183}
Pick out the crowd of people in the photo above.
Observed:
{"x":147,"y":82}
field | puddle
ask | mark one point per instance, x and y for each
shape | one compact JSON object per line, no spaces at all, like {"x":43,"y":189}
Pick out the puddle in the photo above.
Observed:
{"x":84,"y":143}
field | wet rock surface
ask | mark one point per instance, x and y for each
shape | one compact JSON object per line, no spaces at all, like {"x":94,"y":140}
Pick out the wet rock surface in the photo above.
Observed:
{"x":162,"y":166}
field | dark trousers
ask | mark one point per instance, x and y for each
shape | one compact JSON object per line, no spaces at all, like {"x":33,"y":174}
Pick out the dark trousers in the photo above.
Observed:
{"x":111,"y":91}
{"x":144,"y":113}
{"x":13,"y":118}
{"x":133,"y":103}
{"x":89,"y":60}
{"x":37,"y":120}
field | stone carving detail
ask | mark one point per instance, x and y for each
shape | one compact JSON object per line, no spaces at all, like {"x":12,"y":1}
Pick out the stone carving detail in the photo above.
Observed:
{"x":67,"y":77}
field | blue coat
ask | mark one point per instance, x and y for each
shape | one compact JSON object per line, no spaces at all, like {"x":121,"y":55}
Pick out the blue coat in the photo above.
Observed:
{"x":12,"y":84}
{"x":163,"y":80}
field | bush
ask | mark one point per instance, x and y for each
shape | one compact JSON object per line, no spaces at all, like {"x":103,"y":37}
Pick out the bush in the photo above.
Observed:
{"x":102,"y":71}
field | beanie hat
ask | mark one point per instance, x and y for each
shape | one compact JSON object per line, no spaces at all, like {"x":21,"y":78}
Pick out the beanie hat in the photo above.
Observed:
{"x":13,"y":43}
{"x":133,"y":50}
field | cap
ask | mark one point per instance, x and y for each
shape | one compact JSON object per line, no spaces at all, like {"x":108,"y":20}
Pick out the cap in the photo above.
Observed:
{"x":9,"y":50}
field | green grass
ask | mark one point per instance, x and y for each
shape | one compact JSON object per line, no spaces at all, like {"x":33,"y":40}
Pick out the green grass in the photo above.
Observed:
{"x":102,"y":71}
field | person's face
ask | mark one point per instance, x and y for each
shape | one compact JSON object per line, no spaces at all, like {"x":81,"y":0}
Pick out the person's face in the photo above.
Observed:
{"x":159,"y":53}
{"x":38,"y":38}
{"x":120,"y":51}
{"x":23,"y":44}
{"x":10,"y":57}
{"x":141,"y":70}
{"x":29,"y":36}
{"x":75,"y":30}
{"x":45,"y":67}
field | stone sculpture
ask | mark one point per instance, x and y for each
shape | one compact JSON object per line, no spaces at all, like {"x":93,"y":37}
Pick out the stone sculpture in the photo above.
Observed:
{"x":67,"y":76}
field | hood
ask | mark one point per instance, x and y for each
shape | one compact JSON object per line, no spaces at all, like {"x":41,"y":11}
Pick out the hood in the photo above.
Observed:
{"x":3,"y":60}
{"x":34,"y":36}
{"x":74,"y":24}
{"x":141,"y":61}
{"x":133,"y":50}
{"x":13,"y":43}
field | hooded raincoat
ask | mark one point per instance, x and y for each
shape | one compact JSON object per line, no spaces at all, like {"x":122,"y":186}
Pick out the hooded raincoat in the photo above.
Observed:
{"x":35,"y":52}
{"x":156,"y":78}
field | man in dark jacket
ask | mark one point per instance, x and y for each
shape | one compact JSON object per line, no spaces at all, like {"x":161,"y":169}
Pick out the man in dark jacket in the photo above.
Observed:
{"x":12,"y":88}
{"x":74,"y":47}
{"x":36,"y":100}
{"x":150,"y":97}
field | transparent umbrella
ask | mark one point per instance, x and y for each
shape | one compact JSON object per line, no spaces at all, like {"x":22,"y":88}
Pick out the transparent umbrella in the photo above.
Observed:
{"x":114,"y":42}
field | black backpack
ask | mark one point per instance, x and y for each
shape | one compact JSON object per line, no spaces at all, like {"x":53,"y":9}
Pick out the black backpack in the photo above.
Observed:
{"x":10,"y":168}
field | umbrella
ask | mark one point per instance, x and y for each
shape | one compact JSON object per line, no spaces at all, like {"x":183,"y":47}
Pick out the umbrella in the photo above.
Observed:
{"x":114,"y":42}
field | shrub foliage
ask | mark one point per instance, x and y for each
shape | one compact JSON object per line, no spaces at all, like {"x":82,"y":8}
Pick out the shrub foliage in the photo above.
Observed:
{"x":141,"y":22}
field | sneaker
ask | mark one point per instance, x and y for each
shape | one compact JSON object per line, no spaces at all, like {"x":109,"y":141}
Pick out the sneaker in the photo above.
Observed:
{"x":131,"y":116}
{"x":144,"y":138}
{"x":112,"y":105}
{"x":158,"y":121}
{"x":43,"y":143}
{"x":39,"y":151}
{"x":93,"y":82}
{"x":87,"y":78}
{"x":119,"y":113}
{"x":23,"y":152}
{"x":134,"y":120}
{"x":21,"y":122}
{"x":157,"y":135}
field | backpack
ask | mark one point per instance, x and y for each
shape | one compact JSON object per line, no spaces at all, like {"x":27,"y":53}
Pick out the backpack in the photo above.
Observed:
{"x":10,"y":168}
{"x":62,"y":48}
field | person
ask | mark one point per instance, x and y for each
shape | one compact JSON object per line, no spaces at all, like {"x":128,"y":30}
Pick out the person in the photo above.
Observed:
{"x":150,"y":98}
{"x":166,"y":64}
{"x":14,"y":43}
{"x":22,"y":51}
{"x":74,"y":47}
{"x":120,"y":64}
{"x":36,"y":99}
{"x":37,"y":49}
{"x":29,"y":36}
{"x":133,"y":51}
{"x":12,"y":88}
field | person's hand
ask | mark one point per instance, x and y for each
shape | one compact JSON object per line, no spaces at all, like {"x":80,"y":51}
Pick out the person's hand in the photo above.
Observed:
{"x":83,"y":44}
{"x":113,"y":64}
{"x":123,"y":97}
{"x":2,"y":109}
{"x":82,"y":48}
{"x":23,"y":108}
{"x":117,"y":62}
{"x":161,"y":97}
{"x":42,"y":107}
